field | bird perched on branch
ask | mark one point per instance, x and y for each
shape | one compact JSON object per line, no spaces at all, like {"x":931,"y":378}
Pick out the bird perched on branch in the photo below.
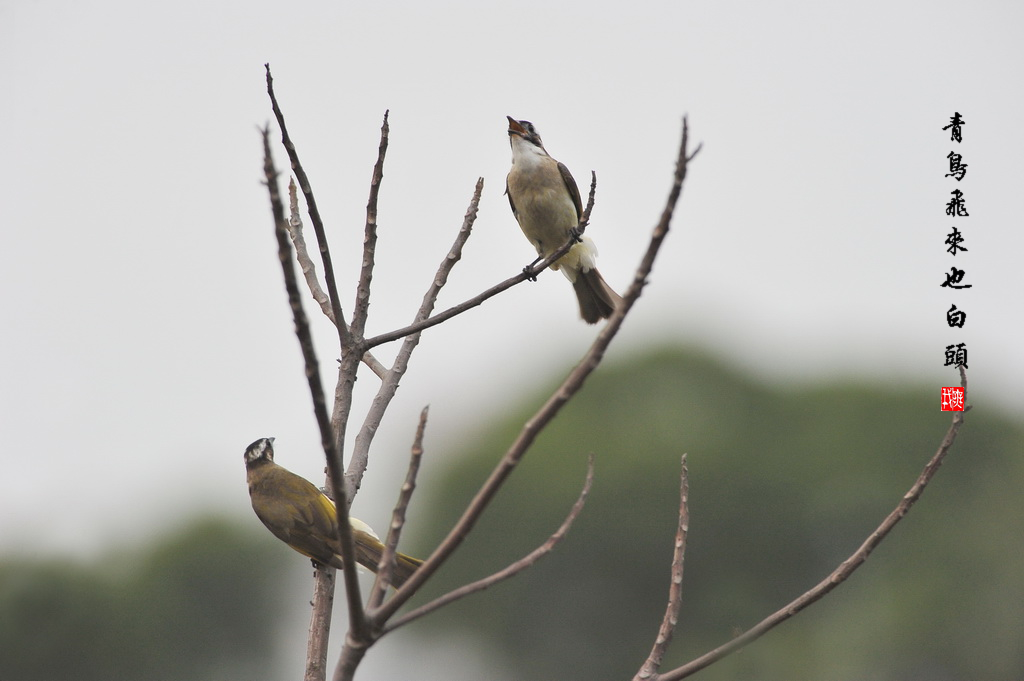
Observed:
{"x":546,"y":202}
{"x":304,"y":518}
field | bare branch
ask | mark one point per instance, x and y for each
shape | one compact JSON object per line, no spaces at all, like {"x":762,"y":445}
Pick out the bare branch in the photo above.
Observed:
{"x":650,"y":667}
{"x":320,"y":624}
{"x":585,"y":218}
{"x":302,"y":330}
{"x":572,"y":383}
{"x":512,"y":570}
{"x":302,"y":253}
{"x":362,"y":304}
{"x":389,"y":383}
{"x":418,"y":326}
{"x":387,"y":558}
{"x":454,"y":253}
{"x":314,"y":213}
{"x":845,"y":569}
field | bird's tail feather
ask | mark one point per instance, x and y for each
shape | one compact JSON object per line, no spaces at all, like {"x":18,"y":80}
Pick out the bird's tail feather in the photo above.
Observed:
{"x":596,"y":298}
{"x":369,"y":551}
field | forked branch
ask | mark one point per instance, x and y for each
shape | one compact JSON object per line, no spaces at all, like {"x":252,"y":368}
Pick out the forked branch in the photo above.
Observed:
{"x":390,"y":380}
{"x":308,"y":268}
{"x":511,"y":571}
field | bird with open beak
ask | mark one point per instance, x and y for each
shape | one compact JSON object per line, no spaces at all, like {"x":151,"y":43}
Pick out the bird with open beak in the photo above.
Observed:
{"x":546,"y":202}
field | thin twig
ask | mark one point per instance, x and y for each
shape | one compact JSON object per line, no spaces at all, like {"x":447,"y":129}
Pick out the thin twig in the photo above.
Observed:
{"x":362,"y":304}
{"x":387,"y":559}
{"x":309,"y":270}
{"x":306,"y":263}
{"x":572,"y":383}
{"x":389,"y":383}
{"x":529,"y":273}
{"x":302,"y":331}
{"x":585,"y":218}
{"x":445,"y":315}
{"x":314,"y":213}
{"x":515,"y":568}
{"x":667,"y":629}
{"x":845,"y":569}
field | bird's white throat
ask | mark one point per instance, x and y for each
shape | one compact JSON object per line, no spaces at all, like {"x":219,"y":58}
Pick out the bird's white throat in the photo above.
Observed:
{"x":526,"y":153}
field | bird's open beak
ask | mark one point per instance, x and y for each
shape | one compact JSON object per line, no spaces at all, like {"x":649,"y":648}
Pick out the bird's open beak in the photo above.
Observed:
{"x":514,"y":128}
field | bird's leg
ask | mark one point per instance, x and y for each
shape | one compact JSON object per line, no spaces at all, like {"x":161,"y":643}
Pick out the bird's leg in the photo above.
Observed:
{"x":529,"y":271}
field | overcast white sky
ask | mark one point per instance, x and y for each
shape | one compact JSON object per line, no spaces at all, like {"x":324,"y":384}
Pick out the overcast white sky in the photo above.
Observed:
{"x":146,"y":339}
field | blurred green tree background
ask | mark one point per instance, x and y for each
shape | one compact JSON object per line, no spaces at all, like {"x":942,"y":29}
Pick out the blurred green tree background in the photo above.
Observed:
{"x":200,"y":604}
{"x":785,"y":482}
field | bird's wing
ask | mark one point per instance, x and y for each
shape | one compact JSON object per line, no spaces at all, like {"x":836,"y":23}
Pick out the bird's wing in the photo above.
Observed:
{"x":368,"y":545}
{"x":306,"y":522}
{"x":574,"y":191}
{"x":510,"y":203}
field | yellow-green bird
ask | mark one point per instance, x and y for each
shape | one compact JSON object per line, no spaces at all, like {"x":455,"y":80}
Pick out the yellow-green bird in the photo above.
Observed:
{"x":304,"y":518}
